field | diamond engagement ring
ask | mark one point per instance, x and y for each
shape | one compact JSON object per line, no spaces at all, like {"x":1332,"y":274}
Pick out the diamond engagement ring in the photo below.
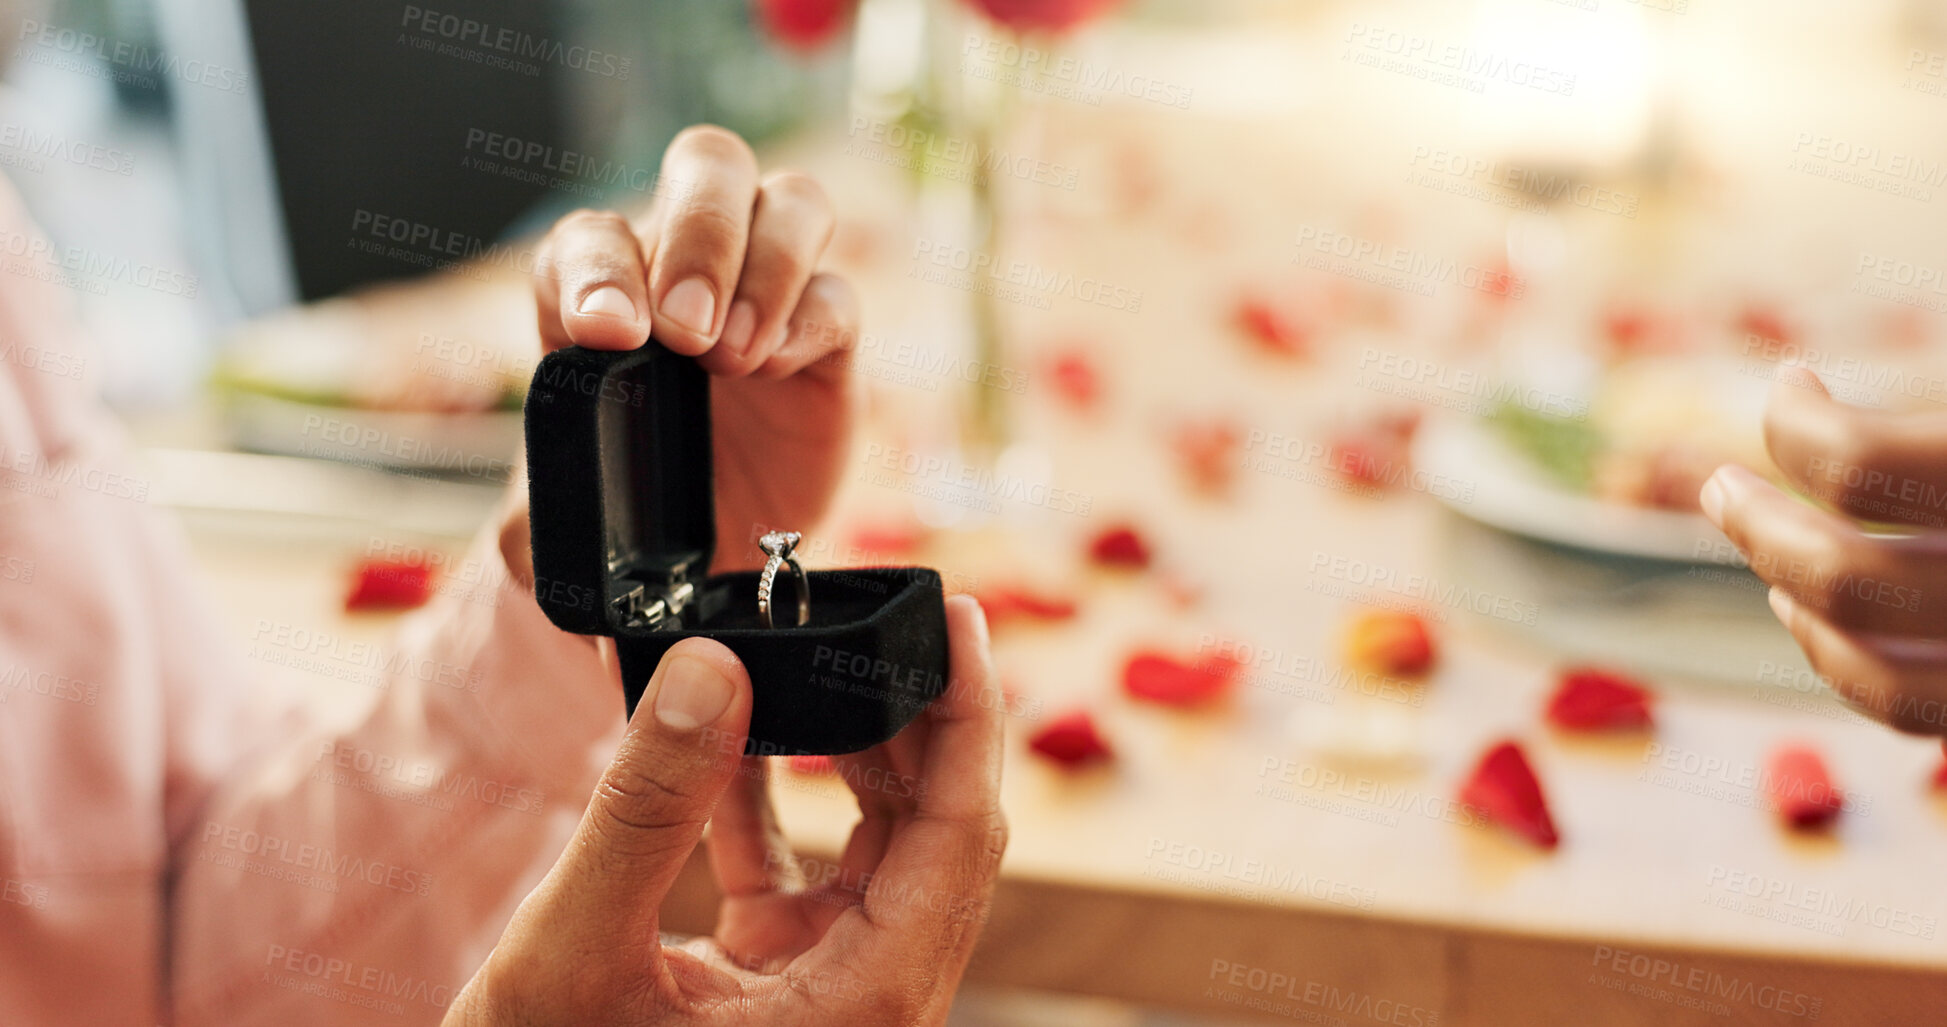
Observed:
{"x":777,"y":546}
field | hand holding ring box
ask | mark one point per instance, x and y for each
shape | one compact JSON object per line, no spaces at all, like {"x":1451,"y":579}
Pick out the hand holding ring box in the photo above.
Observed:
{"x":623,"y":520}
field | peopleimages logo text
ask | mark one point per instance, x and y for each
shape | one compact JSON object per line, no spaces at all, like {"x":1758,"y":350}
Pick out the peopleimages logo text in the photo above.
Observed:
{"x":513,"y":42}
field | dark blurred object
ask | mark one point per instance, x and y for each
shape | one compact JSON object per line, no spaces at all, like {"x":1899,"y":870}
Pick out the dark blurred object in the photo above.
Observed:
{"x":370,"y":110}
{"x":456,"y":122}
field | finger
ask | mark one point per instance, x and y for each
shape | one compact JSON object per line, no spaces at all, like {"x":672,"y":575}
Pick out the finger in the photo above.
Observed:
{"x":865,"y":849}
{"x":925,"y":903}
{"x":888,"y":781}
{"x":792,"y":223}
{"x":748,"y":851}
{"x":868,"y":775}
{"x":885,"y":798}
{"x":682,"y":749}
{"x":1871,"y":464}
{"x":588,"y":284}
{"x":1822,"y":560}
{"x":696,"y":246}
{"x":1901,"y":682}
{"x":823,"y":332}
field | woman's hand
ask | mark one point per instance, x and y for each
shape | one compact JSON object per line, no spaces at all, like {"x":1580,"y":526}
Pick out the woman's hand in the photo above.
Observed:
{"x":881,"y":939}
{"x":723,"y":267}
{"x":1869,"y":607}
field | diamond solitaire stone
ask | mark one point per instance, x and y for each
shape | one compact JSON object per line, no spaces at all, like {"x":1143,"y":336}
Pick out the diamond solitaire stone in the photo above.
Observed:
{"x":779,"y":544}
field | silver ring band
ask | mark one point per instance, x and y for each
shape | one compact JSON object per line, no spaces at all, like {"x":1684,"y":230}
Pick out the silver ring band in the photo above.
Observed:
{"x":778,"y":546}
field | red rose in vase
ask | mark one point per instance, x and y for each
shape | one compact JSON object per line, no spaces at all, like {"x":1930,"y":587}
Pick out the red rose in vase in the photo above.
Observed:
{"x":1050,"y":15}
{"x":804,"y":25}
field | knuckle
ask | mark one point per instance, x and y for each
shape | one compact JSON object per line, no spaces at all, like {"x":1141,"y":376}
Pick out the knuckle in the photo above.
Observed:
{"x":708,"y":232}
{"x":1833,"y":565}
{"x":1821,"y":566}
{"x":786,"y":266}
{"x":741,"y":364}
{"x":624,"y":835}
{"x":1858,"y":457}
{"x":715,"y":143}
{"x":638,"y":785}
{"x":798,"y":190}
{"x":830,"y":303}
{"x":982,"y":856}
{"x":592,"y":218}
{"x":998,"y":835}
{"x":643,"y":802}
{"x":587,"y":243}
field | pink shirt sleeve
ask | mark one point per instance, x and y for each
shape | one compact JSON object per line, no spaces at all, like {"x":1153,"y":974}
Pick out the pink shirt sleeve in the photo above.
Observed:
{"x":360,"y":874}
{"x":179,"y":842}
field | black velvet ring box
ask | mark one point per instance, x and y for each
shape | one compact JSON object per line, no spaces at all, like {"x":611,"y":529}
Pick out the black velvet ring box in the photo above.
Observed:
{"x":622,"y":511}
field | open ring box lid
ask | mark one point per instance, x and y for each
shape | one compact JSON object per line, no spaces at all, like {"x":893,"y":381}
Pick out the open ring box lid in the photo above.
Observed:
{"x":623,"y":517}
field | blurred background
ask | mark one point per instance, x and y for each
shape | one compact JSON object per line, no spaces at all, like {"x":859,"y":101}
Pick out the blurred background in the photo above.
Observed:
{"x":1307,"y":388}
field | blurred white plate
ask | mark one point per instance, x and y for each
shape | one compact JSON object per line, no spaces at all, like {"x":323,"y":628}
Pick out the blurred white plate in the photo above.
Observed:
{"x":1512,"y":494}
{"x":481,"y":446}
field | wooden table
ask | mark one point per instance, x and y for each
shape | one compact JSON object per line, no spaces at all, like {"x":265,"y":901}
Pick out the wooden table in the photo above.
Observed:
{"x":1214,"y":868}
{"x":1227,"y":862}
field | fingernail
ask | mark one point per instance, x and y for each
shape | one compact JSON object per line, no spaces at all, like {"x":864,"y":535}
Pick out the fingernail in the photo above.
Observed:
{"x":980,"y":622}
{"x":608,"y":301}
{"x":693,"y":693}
{"x":1781,"y":604}
{"x":691,"y":305}
{"x":1711,"y":499}
{"x":738,"y":327}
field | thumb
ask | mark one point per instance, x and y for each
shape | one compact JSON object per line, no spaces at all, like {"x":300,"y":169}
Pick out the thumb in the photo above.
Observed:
{"x":683,"y":745}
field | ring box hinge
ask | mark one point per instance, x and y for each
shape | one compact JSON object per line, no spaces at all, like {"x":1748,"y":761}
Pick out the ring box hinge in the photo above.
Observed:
{"x":655,"y":606}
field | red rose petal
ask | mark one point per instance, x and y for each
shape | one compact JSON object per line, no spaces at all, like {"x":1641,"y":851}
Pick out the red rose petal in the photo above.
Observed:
{"x":1164,"y":679}
{"x":811,"y":764}
{"x":1626,"y":329}
{"x":804,"y":24}
{"x":1006,"y":604}
{"x":1207,"y":453}
{"x":888,"y":539}
{"x":1120,"y":546}
{"x":1940,"y":772}
{"x":1075,"y":379}
{"x":389,"y":585}
{"x":1183,"y":592}
{"x":1498,"y":281}
{"x":1377,"y":451}
{"x":1504,"y":789}
{"x":1763,"y":322}
{"x":1633,"y":330}
{"x":1400,"y":425}
{"x":1391,"y":642}
{"x":1592,"y":699}
{"x":1802,"y":788}
{"x":1071,"y":740}
{"x":1274,"y":330}
{"x":1364,"y":459}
